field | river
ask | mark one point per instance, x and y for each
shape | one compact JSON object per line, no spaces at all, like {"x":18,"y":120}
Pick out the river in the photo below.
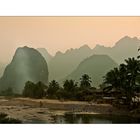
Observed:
{"x":91,"y":119}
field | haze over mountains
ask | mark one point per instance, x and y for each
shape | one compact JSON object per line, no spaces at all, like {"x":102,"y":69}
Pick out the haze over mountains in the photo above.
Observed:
{"x":45,"y":54}
{"x":27,"y":65}
{"x":96,"y":66}
{"x":62,"y":64}
{"x":38,"y":65}
{"x":124,"y":48}
{"x":2,"y":68}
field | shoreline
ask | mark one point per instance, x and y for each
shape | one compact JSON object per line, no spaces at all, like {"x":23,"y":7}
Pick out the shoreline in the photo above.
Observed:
{"x":29,"y":110}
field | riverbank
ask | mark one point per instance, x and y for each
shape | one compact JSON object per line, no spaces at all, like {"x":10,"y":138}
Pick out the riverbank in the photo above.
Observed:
{"x":41,"y":110}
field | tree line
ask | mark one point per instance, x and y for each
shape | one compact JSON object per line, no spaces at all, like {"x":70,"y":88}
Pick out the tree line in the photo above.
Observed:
{"x":70,"y":89}
{"x":123,"y":80}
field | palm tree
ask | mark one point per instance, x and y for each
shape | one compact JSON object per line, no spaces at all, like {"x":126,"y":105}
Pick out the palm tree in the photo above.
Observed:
{"x":112,"y":80}
{"x":133,"y":70}
{"x":124,"y":78}
{"x":85,"y":81}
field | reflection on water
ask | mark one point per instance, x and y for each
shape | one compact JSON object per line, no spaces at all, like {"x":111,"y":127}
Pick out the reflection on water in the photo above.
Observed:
{"x":69,"y":118}
{"x":94,"y":119}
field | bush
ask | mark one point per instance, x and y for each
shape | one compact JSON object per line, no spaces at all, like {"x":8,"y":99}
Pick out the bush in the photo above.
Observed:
{"x":6,"y":120}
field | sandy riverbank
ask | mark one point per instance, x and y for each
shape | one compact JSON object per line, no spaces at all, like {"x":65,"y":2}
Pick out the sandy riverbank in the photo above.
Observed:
{"x":29,"y":110}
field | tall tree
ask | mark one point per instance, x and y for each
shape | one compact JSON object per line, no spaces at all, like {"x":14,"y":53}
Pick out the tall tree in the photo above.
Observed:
{"x":85,"y":81}
{"x":32,"y":90}
{"x":112,"y":80}
{"x":133,"y":70}
{"x":70,"y":89}
{"x":52,"y":89}
{"x":40,"y":90}
{"x":124,"y":78}
{"x":29,"y":89}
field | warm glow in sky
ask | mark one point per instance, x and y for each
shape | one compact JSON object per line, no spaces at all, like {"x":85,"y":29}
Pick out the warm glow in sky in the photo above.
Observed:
{"x":62,"y":33}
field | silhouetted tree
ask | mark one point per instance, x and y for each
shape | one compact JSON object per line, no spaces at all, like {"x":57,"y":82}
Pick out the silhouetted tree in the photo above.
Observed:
{"x":32,"y":90}
{"x":29,"y":89}
{"x":124,"y":78}
{"x":133,"y":70}
{"x":70,"y":85}
{"x":112,"y":80}
{"x":52,"y":89}
{"x":85,"y":81}
{"x":40,"y":90}
{"x":70,"y":88}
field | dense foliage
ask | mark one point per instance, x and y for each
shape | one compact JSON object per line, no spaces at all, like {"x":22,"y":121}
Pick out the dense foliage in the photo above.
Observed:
{"x":123,"y":82}
{"x":124,"y":79}
{"x":37,"y":90}
{"x":69,"y":91}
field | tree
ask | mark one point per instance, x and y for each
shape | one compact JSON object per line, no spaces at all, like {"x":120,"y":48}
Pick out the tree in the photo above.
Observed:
{"x":133,"y":71}
{"x":124,"y":78}
{"x":112,"y":80}
{"x":52,"y":89}
{"x":70,"y":88}
{"x":40,"y":90}
{"x":85,"y":81}
{"x":70,"y":85}
{"x":29,"y":89}
{"x":32,"y":90}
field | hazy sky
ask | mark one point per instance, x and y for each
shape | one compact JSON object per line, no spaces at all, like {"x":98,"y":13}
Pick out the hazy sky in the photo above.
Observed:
{"x":61,"y":33}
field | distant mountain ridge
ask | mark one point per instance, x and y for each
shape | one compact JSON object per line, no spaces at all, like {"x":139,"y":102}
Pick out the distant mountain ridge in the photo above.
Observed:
{"x":45,"y":54}
{"x":2,"y":68}
{"x":63,"y":64}
{"x":124,"y":48}
{"x":96,"y":66}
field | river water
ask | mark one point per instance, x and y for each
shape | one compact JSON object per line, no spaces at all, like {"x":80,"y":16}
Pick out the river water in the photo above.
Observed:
{"x":90,"y":119}
{"x":94,"y":119}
